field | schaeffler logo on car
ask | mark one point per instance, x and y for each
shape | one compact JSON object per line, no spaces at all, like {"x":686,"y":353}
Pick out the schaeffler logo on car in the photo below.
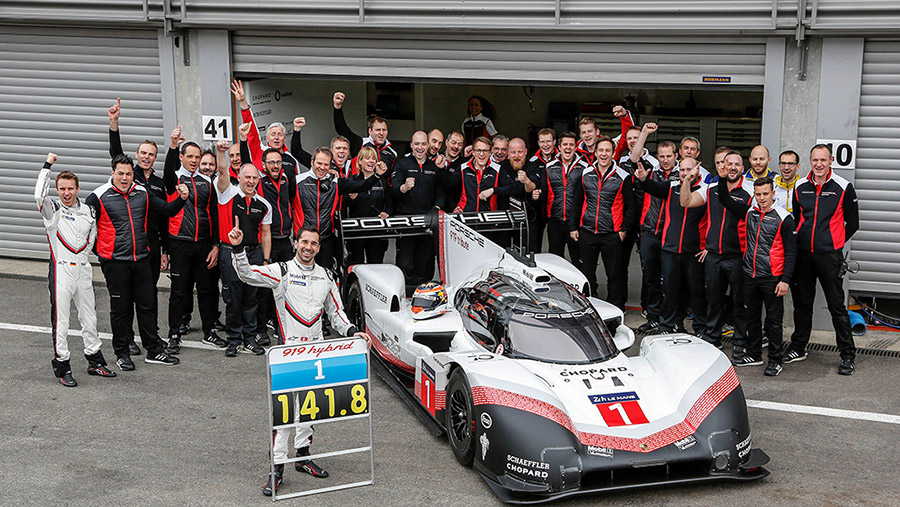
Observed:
{"x":743,"y":447}
{"x":527,"y":467}
{"x":619,"y":409}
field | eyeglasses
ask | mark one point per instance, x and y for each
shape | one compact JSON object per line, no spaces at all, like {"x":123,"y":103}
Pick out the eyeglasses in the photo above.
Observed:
{"x":273,"y":163}
{"x":482,"y":151}
{"x":788,"y":164}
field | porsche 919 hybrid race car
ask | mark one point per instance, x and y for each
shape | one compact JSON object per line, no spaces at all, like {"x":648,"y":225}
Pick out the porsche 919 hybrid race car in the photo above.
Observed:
{"x":527,"y":375}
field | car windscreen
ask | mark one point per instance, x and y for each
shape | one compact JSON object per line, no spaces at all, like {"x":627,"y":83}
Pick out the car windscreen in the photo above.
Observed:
{"x":558,"y":339}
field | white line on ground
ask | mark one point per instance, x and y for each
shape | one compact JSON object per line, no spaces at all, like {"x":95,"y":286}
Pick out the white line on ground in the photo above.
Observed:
{"x":767,"y":405}
{"x":830,"y":412}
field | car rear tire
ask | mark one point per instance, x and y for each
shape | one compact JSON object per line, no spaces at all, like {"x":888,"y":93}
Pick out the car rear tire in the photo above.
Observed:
{"x":355,"y":310}
{"x":460,"y":414}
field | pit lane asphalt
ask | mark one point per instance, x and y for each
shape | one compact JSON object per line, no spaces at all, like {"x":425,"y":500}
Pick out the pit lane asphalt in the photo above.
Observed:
{"x":196,"y":433}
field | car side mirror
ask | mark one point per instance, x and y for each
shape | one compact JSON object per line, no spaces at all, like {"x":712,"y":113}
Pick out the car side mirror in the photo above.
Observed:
{"x":623,"y":341}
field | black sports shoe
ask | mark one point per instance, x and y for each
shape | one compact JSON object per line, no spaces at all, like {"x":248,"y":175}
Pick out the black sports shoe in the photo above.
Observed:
{"x":133,"y":349}
{"x":262,"y":339}
{"x":213,"y":339}
{"x":765,"y":342}
{"x":727,"y":330}
{"x":100,"y":370}
{"x":270,"y":323}
{"x":218,"y":326}
{"x":846,"y":367}
{"x":184,"y":328}
{"x":231,"y":350}
{"x":125,"y":363}
{"x":794,"y":357}
{"x":773,"y":369}
{"x":68,"y":380}
{"x":161,"y":358}
{"x":174,"y":347}
{"x":648,"y":327}
{"x":279,"y":474}
{"x":746,"y":360}
{"x":311,"y":468}
{"x":254,"y":348}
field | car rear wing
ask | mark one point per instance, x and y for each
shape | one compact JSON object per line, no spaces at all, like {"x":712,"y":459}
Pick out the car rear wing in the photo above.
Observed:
{"x":514,"y":221}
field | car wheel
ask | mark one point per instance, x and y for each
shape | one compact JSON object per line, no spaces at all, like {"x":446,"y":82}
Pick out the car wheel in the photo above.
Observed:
{"x":355,"y":311}
{"x":460,"y":413}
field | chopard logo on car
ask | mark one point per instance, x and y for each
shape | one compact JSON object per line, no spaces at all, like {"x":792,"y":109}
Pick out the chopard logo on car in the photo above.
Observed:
{"x":527,"y":467}
{"x":591,"y":371}
{"x":686,"y":442}
{"x":605,"y":452}
{"x":375,"y":292}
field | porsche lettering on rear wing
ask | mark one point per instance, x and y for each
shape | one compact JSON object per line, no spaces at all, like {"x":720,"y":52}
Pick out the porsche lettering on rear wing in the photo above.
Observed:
{"x":419,"y":225}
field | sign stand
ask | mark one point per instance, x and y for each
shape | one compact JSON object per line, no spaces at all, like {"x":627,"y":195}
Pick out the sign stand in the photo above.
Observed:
{"x":318,"y":382}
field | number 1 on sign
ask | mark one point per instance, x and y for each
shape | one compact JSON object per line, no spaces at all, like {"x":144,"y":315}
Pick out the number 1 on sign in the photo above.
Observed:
{"x":320,"y":376}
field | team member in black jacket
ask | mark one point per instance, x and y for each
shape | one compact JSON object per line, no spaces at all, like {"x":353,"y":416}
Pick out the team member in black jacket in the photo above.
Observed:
{"x":827,"y":215}
{"x":600,"y":205}
{"x":455,"y":157}
{"x":768,"y":265}
{"x":724,"y":244}
{"x":416,"y":187}
{"x":378,"y":134}
{"x":536,"y":200}
{"x":555,"y":187}
{"x":122,"y":208}
{"x":683,"y":239}
{"x":319,"y":199}
{"x":481,"y":182}
{"x":192,"y":246}
{"x":144,"y":175}
{"x":375,"y":202}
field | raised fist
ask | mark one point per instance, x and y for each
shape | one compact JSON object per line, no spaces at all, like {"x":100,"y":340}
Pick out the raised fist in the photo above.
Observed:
{"x":440,"y":161}
{"x":619,"y":111}
{"x":299,"y":123}
{"x":381,"y":168}
{"x":244,"y":130}
{"x":521,"y":176}
{"x":51,"y":158}
{"x":223,"y":145}
{"x":183,"y":191}
{"x":177,"y":138}
{"x":338,"y":99}
{"x":650,"y":127}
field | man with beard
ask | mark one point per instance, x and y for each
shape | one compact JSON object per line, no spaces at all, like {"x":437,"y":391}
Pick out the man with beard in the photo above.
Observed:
{"x":722,"y":262}
{"x":378,"y":134}
{"x":275,"y":135}
{"x":759,"y":164}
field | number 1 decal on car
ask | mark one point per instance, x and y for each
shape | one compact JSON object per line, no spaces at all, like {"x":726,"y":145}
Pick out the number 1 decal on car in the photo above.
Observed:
{"x":619,"y":409}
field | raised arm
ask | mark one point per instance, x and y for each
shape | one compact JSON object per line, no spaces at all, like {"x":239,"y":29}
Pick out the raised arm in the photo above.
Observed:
{"x":340,"y":124}
{"x":42,"y":189}
{"x":644,"y":182}
{"x":688,"y":198}
{"x":302,"y":156}
{"x":638,"y":150}
{"x":172,"y":159}
{"x":268,"y":277}
{"x":626,"y":122}
{"x":115,"y":142}
{"x":171,"y":208}
{"x":253,"y":141}
{"x":739,"y":209}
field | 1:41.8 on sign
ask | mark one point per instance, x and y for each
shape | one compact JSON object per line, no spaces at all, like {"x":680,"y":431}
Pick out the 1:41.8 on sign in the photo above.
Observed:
{"x":318,"y":404}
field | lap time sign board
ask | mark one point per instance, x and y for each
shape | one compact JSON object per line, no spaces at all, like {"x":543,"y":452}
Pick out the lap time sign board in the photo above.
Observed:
{"x":320,"y":382}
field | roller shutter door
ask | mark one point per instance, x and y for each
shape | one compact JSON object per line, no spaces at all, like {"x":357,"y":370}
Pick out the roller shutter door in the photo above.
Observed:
{"x":877,"y":245}
{"x":470,"y":57}
{"x":55,"y":87}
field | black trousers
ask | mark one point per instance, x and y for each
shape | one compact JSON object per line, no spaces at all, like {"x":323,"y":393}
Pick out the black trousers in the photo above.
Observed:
{"x":536,"y":224}
{"x":680,"y":270}
{"x":558,"y":239}
{"x":282,"y":251}
{"x":650,"y":249}
{"x":370,"y":251}
{"x":758,"y":292}
{"x":415,"y":257}
{"x":723,"y":273}
{"x":627,"y":247}
{"x":824,"y":267}
{"x":329,"y":251}
{"x":608,"y":246}
{"x":130,"y":285}
{"x":241,"y":300}
{"x":187,"y":260}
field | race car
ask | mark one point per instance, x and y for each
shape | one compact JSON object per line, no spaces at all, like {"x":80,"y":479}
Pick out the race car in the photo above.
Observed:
{"x":528,"y":378}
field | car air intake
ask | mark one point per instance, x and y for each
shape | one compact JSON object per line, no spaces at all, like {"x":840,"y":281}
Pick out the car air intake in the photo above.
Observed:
{"x":437,"y":342}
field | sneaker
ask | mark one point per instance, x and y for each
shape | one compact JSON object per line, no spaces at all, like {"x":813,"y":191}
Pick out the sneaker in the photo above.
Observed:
{"x":746,"y":360}
{"x":174,"y":347}
{"x":184,"y":328}
{"x":133,"y":349}
{"x":270,"y":323}
{"x":161,"y":358}
{"x":69,"y":381}
{"x":727,"y":330}
{"x":278,"y":476}
{"x":648,"y":327}
{"x":215,"y":340}
{"x":231,"y":351}
{"x":254,"y":348}
{"x":125,"y":363}
{"x":262,"y":339}
{"x":773,"y":369}
{"x":311,"y":468}
{"x":100,"y":370}
{"x":218,"y":326}
{"x":846,"y":367}
{"x":794,"y":357}
{"x":765,"y":342}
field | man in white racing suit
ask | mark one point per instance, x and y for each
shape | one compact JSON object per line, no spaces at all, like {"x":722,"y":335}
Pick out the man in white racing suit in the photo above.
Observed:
{"x":71,"y":231}
{"x":303,"y":291}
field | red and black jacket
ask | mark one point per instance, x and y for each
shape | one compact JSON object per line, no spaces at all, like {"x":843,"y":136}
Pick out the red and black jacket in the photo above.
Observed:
{"x":771,"y":248}
{"x":122,"y":220}
{"x":279,"y":192}
{"x":725,"y":236}
{"x":684,"y":230}
{"x":473,"y":182}
{"x":627,"y":122}
{"x":600,"y":203}
{"x":385,"y":152}
{"x":289,"y":164}
{"x":827,"y":215}
{"x":318,"y":200}
{"x":555,"y":186}
{"x":197,"y":221}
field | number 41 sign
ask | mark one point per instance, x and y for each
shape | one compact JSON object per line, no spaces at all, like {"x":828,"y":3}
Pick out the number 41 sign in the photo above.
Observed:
{"x":216,"y":128}
{"x":316,"y":383}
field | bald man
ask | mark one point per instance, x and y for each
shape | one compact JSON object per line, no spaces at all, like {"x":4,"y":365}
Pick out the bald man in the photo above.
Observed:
{"x":759,"y":164}
{"x":435,"y":143}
